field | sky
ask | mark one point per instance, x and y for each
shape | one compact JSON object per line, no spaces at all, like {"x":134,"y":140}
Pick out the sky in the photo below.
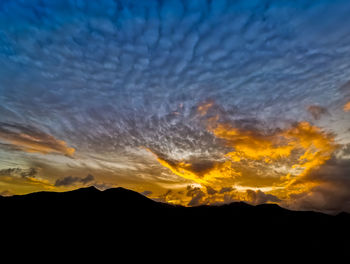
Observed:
{"x":188,"y":102}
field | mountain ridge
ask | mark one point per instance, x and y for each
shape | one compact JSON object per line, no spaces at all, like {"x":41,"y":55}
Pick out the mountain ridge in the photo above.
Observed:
{"x":86,"y":213}
{"x":118,"y":191}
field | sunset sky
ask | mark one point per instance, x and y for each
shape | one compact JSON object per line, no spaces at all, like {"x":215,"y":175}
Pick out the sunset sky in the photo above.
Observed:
{"x":188,"y":102}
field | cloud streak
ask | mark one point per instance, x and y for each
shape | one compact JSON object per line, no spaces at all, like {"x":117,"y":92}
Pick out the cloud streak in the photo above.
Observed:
{"x":32,"y":140}
{"x":227,"y":95}
{"x":19,"y":172}
{"x":70,"y":180}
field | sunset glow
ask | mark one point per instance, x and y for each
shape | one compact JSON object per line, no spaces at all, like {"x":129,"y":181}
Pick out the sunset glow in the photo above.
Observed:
{"x":187,"y":102}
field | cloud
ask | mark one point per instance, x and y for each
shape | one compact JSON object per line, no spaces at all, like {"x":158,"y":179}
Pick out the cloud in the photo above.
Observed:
{"x":204,"y":107}
{"x":69,"y":180}
{"x":5,"y":193}
{"x":146,"y":193}
{"x":161,"y":66}
{"x":87,"y":179}
{"x":255,"y":155}
{"x":329,"y":187}
{"x":10,"y":171}
{"x":29,"y":173}
{"x":103,"y":186}
{"x":196,"y":195}
{"x":165,"y":197}
{"x":19,"y":172}
{"x":346,"y":107}
{"x":179,"y":78}
{"x":225,"y":189}
{"x":259,"y":197}
{"x":210,"y":190}
{"x":344,"y":152}
{"x":24,"y":180}
{"x":30,"y":139}
{"x":326,"y":197}
{"x":196,"y":170}
{"x":317,"y":111}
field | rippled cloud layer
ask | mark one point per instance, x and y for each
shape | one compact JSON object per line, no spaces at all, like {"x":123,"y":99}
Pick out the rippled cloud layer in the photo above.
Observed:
{"x":191,"y":102}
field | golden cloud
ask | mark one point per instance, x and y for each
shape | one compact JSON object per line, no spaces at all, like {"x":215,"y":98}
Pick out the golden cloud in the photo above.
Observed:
{"x":24,"y":185}
{"x":190,"y":171}
{"x":32,"y":140}
{"x":276,"y":160}
{"x":202,"y":109}
{"x":346,"y":107}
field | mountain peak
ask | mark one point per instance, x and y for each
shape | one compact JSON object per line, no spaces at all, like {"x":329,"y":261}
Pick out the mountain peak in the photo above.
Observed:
{"x":89,"y":189}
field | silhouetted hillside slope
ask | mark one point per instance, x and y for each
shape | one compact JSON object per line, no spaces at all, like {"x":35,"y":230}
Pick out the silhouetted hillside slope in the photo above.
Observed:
{"x":129,"y":216}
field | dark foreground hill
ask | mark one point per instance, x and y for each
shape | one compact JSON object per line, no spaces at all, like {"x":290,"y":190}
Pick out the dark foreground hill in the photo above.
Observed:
{"x":88,"y":216}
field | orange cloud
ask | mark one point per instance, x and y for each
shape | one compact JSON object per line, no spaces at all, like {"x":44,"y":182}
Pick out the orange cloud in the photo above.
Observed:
{"x":188,"y":170}
{"x":193,"y":196}
{"x":276,"y":160}
{"x":33,"y":141}
{"x":203,"y":108}
{"x":312,"y":146}
{"x":346,"y":107}
{"x":251,"y":145}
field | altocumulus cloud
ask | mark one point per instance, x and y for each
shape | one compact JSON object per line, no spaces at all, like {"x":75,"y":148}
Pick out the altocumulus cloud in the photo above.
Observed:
{"x":138,"y":68}
{"x":98,"y":80}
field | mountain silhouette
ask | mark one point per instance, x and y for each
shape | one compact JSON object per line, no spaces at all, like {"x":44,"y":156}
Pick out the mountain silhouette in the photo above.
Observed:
{"x":124,"y":215}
